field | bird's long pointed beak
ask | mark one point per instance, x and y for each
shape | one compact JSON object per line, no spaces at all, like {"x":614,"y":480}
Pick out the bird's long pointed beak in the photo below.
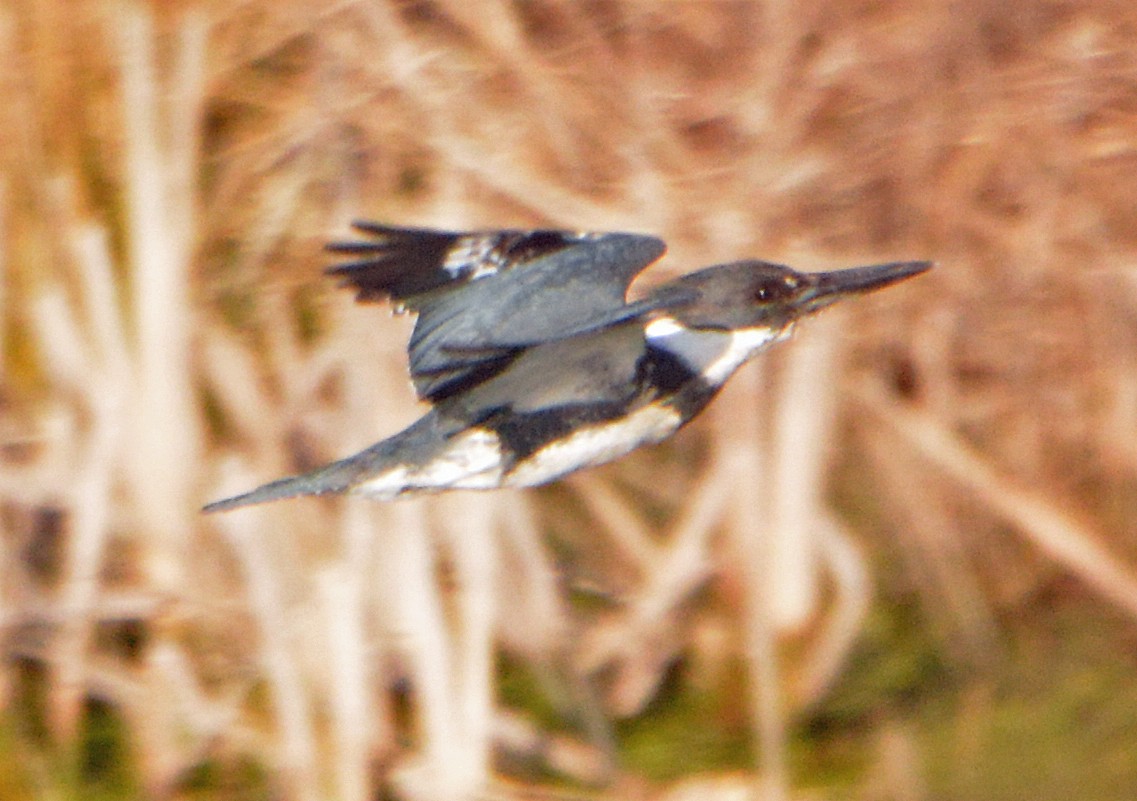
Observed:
{"x":832,"y":286}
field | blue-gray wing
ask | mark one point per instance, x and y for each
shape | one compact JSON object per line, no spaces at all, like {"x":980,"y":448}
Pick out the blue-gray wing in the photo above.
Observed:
{"x":484,"y":296}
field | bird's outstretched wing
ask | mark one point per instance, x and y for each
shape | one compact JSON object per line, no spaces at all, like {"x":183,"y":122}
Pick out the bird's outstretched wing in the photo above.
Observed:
{"x":484,"y":296}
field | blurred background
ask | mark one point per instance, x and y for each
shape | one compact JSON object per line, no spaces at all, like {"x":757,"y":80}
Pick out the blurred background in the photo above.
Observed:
{"x":896,"y":559}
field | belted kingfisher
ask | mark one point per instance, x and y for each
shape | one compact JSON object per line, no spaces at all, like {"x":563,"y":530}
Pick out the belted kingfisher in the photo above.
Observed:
{"x":535,"y":363}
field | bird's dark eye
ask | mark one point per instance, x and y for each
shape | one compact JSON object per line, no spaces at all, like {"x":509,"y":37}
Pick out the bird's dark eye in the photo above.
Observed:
{"x":771,"y":289}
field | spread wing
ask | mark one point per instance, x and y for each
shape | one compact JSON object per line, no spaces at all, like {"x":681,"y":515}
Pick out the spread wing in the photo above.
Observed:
{"x":485,"y":296}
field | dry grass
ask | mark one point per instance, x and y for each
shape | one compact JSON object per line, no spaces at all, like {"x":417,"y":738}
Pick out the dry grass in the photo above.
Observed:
{"x":169,"y":172}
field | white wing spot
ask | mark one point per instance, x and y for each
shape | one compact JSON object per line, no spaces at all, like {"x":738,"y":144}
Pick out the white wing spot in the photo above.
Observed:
{"x":471,"y":257}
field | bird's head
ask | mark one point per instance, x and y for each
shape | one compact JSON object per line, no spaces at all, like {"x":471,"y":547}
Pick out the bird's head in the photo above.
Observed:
{"x":758,"y":294}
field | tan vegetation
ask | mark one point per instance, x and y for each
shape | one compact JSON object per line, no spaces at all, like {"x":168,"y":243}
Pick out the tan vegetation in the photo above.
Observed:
{"x":168,"y":172}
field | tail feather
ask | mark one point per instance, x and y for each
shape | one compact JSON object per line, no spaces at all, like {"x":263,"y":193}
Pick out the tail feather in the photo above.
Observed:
{"x":335,"y":477}
{"x":412,"y":444}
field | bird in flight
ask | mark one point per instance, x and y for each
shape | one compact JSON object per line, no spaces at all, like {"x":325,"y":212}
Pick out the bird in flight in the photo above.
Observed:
{"x":536,"y":365}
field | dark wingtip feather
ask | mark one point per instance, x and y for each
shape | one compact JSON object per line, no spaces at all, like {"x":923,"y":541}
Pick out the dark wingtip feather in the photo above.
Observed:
{"x":348,"y":267}
{"x":372,"y":227}
{"x":352,"y":248}
{"x":398,"y":262}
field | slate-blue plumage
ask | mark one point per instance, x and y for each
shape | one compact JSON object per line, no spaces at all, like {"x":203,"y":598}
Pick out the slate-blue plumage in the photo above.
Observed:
{"x":535,"y":363}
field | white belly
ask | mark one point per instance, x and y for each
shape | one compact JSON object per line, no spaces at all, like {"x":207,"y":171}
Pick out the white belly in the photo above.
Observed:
{"x":474,"y":459}
{"x":595,"y":445}
{"x":471,"y":460}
